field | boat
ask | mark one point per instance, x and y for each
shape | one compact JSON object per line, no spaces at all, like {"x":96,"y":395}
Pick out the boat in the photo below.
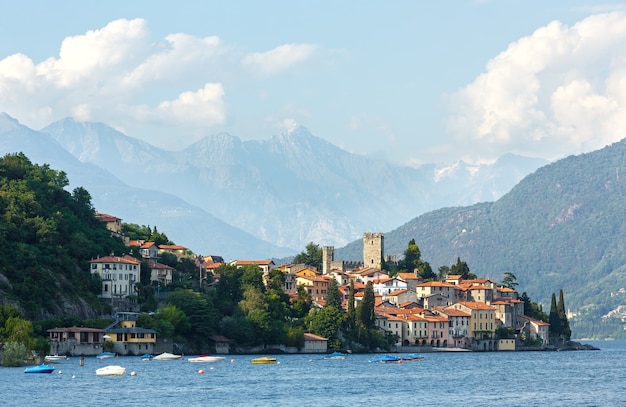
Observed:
{"x":43,"y":368}
{"x":386,"y":359}
{"x":111,"y":371}
{"x":106,"y":355}
{"x":413,"y":358}
{"x":167,"y":356}
{"x":55,"y":358}
{"x":207,"y":358}
{"x":265,"y":360}
{"x":336,"y":356}
{"x":147,"y":357}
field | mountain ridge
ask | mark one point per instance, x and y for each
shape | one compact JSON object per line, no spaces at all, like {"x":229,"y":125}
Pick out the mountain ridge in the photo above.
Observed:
{"x":291,"y":189}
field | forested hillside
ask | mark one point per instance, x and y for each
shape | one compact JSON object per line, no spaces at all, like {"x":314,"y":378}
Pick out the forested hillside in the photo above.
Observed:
{"x":562,"y":227}
{"x":47,"y":236}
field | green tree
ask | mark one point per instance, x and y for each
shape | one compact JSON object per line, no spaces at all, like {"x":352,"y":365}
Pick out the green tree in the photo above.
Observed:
{"x":413,"y":262}
{"x":443,"y":273}
{"x":326,"y":322}
{"x":202,"y":317}
{"x":14,"y":354}
{"x":554,"y":319}
{"x":412,"y":257}
{"x":509,"y":281}
{"x":252,"y":276}
{"x":532,"y":309}
{"x":565,"y":329}
{"x":351,"y":313}
{"x":333,"y":296}
{"x":312,"y":256}
{"x":365,"y":309}
{"x":462,"y":269}
{"x":302,"y":304}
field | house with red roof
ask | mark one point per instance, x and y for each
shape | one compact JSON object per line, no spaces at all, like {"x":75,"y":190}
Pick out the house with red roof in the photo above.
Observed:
{"x":119,"y":274}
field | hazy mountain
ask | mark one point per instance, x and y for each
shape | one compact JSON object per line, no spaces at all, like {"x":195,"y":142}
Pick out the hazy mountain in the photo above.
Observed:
{"x":561,"y":227}
{"x":184,"y":223}
{"x":293,"y":188}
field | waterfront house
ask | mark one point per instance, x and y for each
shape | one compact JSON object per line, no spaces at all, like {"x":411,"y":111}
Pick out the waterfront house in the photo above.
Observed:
{"x":482,"y":322}
{"x":76,"y":341}
{"x":314,"y":343}
{"x":127,"y":338}
{"x":535,"y":328}
{"x":458,"y":323}
{"x":221,"y":344}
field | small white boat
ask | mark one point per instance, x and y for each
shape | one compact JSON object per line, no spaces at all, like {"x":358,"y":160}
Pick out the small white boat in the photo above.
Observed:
{"x":55,"y":358}
{"x":167,"y":356}
{"x":111,"y":371}
{"x":207,"y":358}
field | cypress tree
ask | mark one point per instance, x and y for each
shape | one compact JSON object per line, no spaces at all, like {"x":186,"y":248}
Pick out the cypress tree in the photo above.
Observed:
{"x":351,"y":317}
{"x":366,"y":307}
{"x":333,"y":296}
{"x":554,"y":320}
{"x":565,"y":329}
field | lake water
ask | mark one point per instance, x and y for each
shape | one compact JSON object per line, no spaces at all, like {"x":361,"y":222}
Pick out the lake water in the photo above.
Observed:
{"x":578,"y":378}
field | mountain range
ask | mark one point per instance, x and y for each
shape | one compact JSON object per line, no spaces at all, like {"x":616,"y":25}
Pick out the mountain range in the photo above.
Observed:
{"x":258,"y":198}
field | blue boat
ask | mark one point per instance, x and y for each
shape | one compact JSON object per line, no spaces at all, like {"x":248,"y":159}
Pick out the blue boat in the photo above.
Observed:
{"x":147,"y":356}
{"x":386,"y":359}
{"x":106,"y":355}
{"x":43,"y":368}
{"x":336,"y":356}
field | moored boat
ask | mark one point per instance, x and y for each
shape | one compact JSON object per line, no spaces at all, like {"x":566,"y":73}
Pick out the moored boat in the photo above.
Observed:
{"x":413,"y":358}
{"x":147,"y":357}
{"x":55,"y":358}
{"x":167,"y":356}
{"x":265,"y":360}
{"x":106,"y":355}
{"x":386,"y":359}
{"x":43,"y":368}
{"x":111,"y":371}
{"x":207,"y":358}
{"x":336,"y":356}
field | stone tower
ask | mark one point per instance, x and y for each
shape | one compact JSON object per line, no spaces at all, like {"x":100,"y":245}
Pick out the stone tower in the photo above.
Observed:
{"x":328,"y":255}
{"x":373,"y":249}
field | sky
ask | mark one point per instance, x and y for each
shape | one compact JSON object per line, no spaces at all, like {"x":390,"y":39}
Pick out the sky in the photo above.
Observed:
{"x":409,"y":81}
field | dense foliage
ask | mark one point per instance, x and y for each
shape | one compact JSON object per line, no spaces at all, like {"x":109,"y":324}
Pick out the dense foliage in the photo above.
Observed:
{"x":51,"y":234}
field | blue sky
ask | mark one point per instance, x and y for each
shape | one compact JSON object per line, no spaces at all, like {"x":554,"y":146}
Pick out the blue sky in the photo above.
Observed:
{"x":410,"y":81}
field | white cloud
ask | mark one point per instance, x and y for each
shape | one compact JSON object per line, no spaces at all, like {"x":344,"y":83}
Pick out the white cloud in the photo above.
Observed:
{"x":279,"y":59}
{"x":119,"y":75}
{"x":83,"y":57}
{"x":558,"y":91}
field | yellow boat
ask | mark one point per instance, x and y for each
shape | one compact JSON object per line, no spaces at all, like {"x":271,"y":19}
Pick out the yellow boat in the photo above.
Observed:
{"x":265,"y":360}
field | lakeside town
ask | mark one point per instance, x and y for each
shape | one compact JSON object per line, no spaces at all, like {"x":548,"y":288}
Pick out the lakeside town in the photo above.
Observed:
{"x":476,"y":314}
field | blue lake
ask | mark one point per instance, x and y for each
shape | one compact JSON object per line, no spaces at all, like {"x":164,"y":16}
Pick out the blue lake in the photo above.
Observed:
{"x":579,"y":378}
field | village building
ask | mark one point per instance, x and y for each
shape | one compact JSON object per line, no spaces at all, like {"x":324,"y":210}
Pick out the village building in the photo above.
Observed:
{"x":119,"y":274}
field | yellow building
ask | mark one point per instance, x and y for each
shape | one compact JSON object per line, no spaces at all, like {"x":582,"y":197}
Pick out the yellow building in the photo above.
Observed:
{"x":482,"y":321}
{"x":127,"y":337}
